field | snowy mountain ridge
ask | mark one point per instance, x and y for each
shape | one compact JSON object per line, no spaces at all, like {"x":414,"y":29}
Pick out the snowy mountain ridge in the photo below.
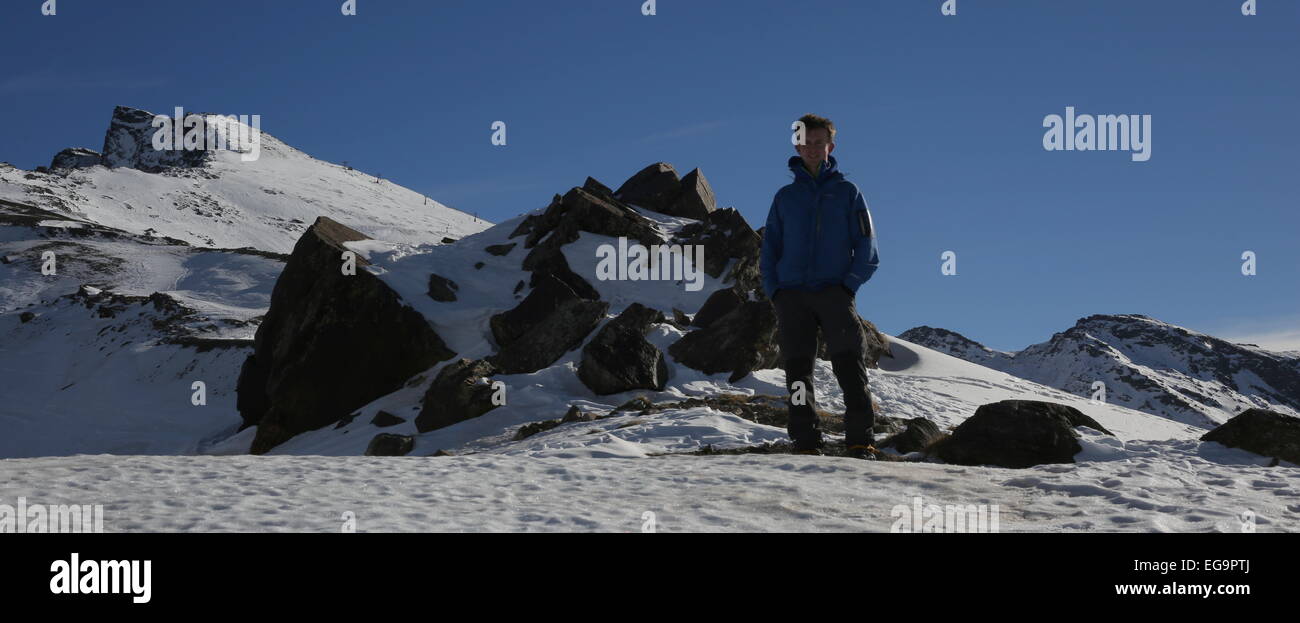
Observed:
{"x":1146,"y":364}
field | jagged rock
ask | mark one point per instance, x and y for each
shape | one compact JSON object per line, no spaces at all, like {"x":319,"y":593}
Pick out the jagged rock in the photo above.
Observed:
{"x":76,"y":158}
{"x":500,"y":249}
{"x":330,"y":343}
{"x":572,"y":415}
{"x":739,"y":342}
{"x":447,"y":240}
{"x":1264,"y":432}
{"x":1017,"y":434}
{"x":719,"y":304}
{"x":596,"y":188}
{"x":478,"y":265}
{"x":442,"y":289}
{"x":920,"y":433}
{"x":129,"y":143}
{"x":620,"y":359}
{"x":658,"y":188}
{"x":550,"y":321}
{"x":461,"y":391}
{"x":655,"y":187}
{"x":874,"y":344}
{"x":388,"y":444}
{"x":519,"y":286}
{"x":26,"y":317}
{"x":384,"y":419}
{"x":696,"y":199}
{"x":728,"y":240}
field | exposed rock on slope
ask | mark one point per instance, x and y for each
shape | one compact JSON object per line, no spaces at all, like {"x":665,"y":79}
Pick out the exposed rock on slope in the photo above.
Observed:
{"x":330,"y":343}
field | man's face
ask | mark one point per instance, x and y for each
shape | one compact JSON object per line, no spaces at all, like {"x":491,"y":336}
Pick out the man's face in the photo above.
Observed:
{"x":818,"y":147}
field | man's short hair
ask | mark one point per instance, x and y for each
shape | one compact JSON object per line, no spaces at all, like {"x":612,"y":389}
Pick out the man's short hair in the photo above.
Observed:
{"x":812,"y":122}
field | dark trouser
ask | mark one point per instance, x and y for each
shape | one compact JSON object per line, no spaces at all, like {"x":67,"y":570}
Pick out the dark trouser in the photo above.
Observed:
{"x":798,"y":314}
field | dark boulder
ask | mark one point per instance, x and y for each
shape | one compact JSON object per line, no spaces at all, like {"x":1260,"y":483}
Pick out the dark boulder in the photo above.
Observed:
{"x":619,"y":358}
{"x":461,"y":391}
{"x":442,"y":289}
{"x":330,"y":343}
{"x":918,"y":435}
{"x":659,"y":188}
{"x":500,"y":249}
{"x":719,"y":304}
{"x":551,"y":321}
{"x":384,"y":419}
{"x":388,"y":444}
{"x":1017,"y":434}
{"x":1264,"y":432}
{"x":740,"y":342}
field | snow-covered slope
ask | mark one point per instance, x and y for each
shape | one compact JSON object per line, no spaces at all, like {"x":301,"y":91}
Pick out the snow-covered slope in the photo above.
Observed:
{"x":1145,"y":364}
{"x":223,"y":201}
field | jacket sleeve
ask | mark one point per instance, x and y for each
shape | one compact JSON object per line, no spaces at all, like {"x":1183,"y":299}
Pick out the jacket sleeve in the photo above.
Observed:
{"x":866,"y":257}
{"x":772,"y":248}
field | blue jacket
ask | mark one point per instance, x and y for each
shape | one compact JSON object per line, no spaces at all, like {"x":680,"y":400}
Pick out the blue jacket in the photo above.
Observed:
{"x":819,"y":233}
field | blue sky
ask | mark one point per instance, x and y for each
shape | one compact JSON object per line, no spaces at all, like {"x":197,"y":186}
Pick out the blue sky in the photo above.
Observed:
{"x":939,"y":119}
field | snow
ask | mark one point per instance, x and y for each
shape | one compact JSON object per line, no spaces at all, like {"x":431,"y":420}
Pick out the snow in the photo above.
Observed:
{"x":1159,"y":487}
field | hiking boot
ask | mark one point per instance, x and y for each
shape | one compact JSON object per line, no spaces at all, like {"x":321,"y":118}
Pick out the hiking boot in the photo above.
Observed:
{"x":809,"y":451}
{"x":867,"y":453}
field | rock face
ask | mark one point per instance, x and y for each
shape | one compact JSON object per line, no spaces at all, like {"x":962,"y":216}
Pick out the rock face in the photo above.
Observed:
{"x":330,"y":342}
{"x":1260,"y":431}
{"x":620,"y":359}
{"x":658,"y":188}
{"x":76,"y":158}
{"x":740,"y":342}
{"x":461,"y":391}
{"x":550,"y":321}
{"x":719,"y":304}
{"x":1017,"y":434}
{"x":129,"y":143}
{"x":577,"y":211}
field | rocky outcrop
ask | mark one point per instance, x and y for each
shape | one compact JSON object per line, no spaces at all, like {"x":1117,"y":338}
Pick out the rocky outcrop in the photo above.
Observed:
{"x":740,"y":342}
{"x":1261,"y":431}
{"x":561,"y":223}
{"x":658,"y":188}
{"x":461,"y":391}
{"x":1017,"y":434}
{"x":726,"y":238}
{"x":719,"y":304}
{"x":619,"y":358}
{"x":551,"y":321}
{"x":76,"y":158}
{"x":129,"y":143}
{"x":330,"y":342}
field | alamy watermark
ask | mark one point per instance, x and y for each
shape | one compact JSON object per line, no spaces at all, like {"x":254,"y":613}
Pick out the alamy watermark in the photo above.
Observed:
{"x":47,"y":519}
{"x":636,"y":262}
{"x":1074,"y":132}
{"x":921,"y":517}
{"x":242,"y":134}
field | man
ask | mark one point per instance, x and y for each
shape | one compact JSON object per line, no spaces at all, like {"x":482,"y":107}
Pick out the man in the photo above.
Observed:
{"x":819,"y":247}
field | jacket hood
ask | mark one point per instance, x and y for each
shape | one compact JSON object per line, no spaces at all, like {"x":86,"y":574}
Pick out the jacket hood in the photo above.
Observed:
{"x":830,"y":169}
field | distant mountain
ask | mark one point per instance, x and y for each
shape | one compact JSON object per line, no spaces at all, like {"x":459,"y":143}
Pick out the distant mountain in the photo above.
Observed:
{"x":213,"y":198}
{"x":1145,"y":364}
